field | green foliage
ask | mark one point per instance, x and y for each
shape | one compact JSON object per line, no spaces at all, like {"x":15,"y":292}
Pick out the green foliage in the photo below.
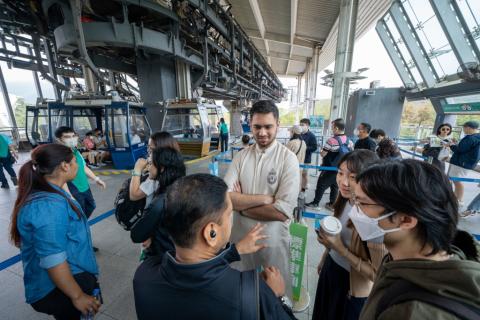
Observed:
{"x":20,"y":109}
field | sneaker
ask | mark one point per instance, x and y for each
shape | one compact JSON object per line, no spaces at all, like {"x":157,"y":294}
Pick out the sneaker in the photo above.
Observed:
{"x":313,"y":205}
{"x":92,"y":166}
{"x":5,"y":186}
{"x":101,"y":164}
{"x":14,"y":180}
{"x":329,"y":206}
{"x":95,"y":249}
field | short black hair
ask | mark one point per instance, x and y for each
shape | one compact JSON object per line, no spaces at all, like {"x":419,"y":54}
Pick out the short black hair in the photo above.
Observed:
{"x":305,"y":120}
{"x":245,"y":138}
{"x":191,"y":202}
{"x":388,"y":149}
{"x":471,"y":124}
{"x":61,"y":130}
{"x":339,"y":124}
{"x":375,"y":133}
{"x":419,"y":189}
{"x":366,"y":126}
{"x":173,"y":166}
{"x":264,"y":107}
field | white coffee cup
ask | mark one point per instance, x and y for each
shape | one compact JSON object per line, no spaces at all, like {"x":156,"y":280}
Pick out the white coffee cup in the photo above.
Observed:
{"x":331,"y":225}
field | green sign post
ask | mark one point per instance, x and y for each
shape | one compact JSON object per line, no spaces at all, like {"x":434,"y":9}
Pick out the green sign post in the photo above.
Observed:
{"x":461,"y":107}
{"x":298,"y":246}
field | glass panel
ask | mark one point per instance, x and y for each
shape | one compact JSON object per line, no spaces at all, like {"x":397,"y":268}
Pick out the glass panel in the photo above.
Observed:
{"x":59,"y":118}
{"x":37,"y":122}
{"x":184,"y":124}
{"x":118,"y":123}
{"x":84,"y":120}
{"x":139,"y":128}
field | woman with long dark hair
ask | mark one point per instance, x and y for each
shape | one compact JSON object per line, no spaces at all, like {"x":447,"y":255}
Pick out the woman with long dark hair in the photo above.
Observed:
{"x":51,"y":230}
{"x":147,"y":188}
{"x":349,"y":265}
{"x":167,"y":166}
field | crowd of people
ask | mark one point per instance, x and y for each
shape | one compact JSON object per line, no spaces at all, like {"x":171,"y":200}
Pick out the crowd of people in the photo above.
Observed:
{"x":220,"y":248}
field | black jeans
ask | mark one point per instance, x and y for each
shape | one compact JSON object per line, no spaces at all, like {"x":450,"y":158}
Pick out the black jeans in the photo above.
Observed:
{"x":6,"y":163}
{"x":85,"y":199}
{"x":58,"y":305}
{"x":327,"y":179}
{"x":224,"y":141}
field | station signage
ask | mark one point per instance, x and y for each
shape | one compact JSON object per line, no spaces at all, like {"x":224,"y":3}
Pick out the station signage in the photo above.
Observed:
{"x":462,"y":104}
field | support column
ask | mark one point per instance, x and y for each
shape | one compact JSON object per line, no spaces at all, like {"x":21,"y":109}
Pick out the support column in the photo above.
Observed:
{"x":314,"y":77}
{"x":343,"y":58}
{"x":8,"y":104}
{"x":90,"y":82}
{"x":51,"y":68}
{"x":299,"y":93}
{"x":307,"y":84}
{"x":157,"y":82}
{"x":184,"y":81}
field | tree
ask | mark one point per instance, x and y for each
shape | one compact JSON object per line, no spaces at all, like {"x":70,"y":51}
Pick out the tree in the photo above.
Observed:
{"x":20,"y":110}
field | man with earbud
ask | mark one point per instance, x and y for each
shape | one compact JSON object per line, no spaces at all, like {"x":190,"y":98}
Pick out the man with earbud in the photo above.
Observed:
{"x":196,"y":281}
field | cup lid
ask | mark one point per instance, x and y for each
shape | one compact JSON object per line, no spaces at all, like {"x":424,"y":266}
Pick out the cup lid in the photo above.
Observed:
{"x":331,"y":225}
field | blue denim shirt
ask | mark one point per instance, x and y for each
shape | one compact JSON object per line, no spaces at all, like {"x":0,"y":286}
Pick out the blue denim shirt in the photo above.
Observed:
{"x":51,"y":233}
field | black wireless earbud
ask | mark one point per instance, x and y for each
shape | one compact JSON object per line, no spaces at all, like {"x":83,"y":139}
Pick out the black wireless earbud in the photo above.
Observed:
{"x":213,"y":234}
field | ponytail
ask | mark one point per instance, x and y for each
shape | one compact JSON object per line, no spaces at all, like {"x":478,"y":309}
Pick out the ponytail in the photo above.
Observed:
{"x":31,"y":178}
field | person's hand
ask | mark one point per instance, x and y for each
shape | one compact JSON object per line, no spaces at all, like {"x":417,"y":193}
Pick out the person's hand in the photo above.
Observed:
{"x":331,"y":242}
{"x":101,"y":183}
{"x":140,"y":165}
{"x":319,"y":267}
{"x":237,"y":187}
{"x":249,"y":243}
{"x":85,"y":304}
{"x":274,"y":280}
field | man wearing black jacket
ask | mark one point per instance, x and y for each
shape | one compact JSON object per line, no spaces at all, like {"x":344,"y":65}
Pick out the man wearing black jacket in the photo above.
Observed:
{"x":311,"y":142}
{"x":196,"y":281}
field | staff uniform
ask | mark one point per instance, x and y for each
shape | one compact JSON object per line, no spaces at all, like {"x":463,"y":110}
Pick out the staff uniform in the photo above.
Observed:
{"x":273,"y":171}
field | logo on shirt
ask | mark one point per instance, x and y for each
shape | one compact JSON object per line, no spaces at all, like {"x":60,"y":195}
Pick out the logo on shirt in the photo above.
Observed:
{"x":272,"y":176}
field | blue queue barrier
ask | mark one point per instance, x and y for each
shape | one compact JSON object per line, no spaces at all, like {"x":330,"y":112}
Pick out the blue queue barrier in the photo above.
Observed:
{"x":13,"y":260}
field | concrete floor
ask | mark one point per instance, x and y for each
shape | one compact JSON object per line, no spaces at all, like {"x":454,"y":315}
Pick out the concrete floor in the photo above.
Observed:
{"x":118,"y":256}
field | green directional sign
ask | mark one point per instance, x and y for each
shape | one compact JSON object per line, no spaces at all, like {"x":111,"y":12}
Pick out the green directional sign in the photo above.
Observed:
{"x":462,"y":107}
{"x":298,"y":246}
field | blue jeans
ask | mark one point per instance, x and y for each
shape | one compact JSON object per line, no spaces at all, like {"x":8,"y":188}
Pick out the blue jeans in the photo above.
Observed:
{"x":6,"y":163}
{"x":224,"y":141}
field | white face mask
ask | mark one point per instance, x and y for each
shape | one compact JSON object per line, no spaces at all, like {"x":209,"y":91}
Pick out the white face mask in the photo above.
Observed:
{"x":356,"y":132}
{"x":367,"y":227}
{"x":304,"y":128}
{"x":70,"y":142}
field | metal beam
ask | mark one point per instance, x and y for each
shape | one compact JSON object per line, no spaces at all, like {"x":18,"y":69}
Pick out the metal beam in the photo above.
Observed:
{"x":282,"y":38}
{"x":468,"y":33}
{"x":285,"y":56}
{"x":8,"y":104}
{"x":453,"y":30}
{"x":293,"y":28}
{"x":257,"y":14}
{"x":394,"y":53}
{"x":413,"y":44}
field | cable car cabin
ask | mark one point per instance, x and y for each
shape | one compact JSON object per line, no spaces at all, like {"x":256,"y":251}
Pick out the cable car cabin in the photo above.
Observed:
{"x":125,"y":124}
{"x":188,"y":121}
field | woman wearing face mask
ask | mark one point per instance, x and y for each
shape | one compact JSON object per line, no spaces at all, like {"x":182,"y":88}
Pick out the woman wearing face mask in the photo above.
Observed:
{"x":147,"y":188}
{"x":432,"y":270}
{"x":51,"y":230}
{"x":349,"y":265}
{"x":167,"y":166}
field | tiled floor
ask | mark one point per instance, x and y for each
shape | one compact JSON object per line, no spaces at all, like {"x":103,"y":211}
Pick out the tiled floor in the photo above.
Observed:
{"x":118,"y":256}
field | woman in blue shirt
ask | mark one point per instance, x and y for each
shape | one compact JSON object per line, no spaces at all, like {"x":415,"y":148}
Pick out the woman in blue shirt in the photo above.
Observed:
{"x":49,"y":226}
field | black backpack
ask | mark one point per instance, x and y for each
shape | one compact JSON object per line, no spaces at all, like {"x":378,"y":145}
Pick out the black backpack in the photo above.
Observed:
{"x":127,"y":212}
{"x":403,"y":291}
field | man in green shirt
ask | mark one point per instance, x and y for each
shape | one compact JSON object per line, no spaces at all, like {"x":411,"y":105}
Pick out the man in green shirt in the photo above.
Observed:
{"x":79,"y":187}
{"x":223,"y":135}
{"x":7,"y":152}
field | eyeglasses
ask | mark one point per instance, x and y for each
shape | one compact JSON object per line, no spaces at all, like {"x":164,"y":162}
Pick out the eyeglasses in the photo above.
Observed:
{"x":359,"y":204}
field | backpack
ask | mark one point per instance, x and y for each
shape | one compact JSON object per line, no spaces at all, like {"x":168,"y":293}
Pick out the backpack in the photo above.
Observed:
{"x":342,"y":150}
{"x":403,"y":291}
{"x":127,"y":212}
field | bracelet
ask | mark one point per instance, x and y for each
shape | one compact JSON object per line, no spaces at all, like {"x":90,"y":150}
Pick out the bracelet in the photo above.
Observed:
{"x":136,"y":174}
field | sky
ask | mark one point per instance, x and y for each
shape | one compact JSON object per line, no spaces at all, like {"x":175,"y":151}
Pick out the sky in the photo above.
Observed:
{"x":368,"y":53}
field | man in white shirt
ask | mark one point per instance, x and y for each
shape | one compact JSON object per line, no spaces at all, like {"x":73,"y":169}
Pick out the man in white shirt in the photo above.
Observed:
{"x":264,"y":183}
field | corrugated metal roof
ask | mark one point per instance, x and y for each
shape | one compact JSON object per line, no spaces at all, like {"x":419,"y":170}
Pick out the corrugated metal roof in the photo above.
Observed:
{"x":316,"y":17}
{"x":276,"y":15}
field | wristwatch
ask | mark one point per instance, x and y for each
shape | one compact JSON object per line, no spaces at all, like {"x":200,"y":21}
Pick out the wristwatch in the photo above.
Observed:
{"x":286,"y":301}
{"x":136,"y":174}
